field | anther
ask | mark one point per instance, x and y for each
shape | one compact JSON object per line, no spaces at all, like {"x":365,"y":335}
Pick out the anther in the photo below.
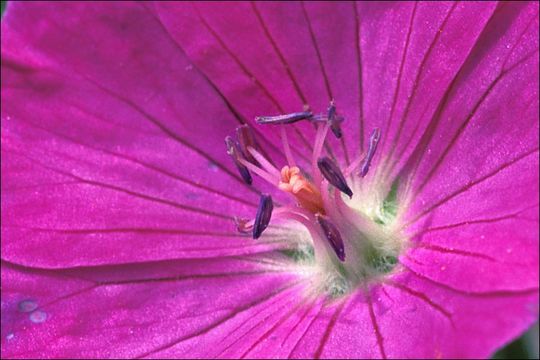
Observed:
{"x":373,"y":141}
{"x":246,"y":138}
{"x":284,"y":119}
{"x":335,"y":120}
{"x":264,"y":213}
{"x":233,"y":149}
{"x":332,"y":235}
{"x":333,"y":174}
{"x":331,"y":110}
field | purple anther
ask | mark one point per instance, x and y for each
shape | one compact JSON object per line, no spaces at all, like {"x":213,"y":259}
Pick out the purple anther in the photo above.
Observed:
{"x":319,"y":118}
{"x":331,"y":110}
{"x":233,"y":149}
{"x":284,"y":119}
{"x":264,"y":213}
{"x":336,"y":129}
{"x":335,"y":120}
{"x":373,"y":141}
{"x":333,"y":174}
{"x":332,"y":235}
{"x":246,"y":138}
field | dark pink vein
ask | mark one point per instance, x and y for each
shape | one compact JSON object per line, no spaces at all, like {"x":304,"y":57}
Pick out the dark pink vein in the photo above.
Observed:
{"x":476,"y":221}
{"x":145,"y":165}
{"x":130,"y":192}
{"x":490,"y":293}
{"x":417,"y":78}
{"x":471,"y":184}
{"x":250,"y":330}
{"x":198,"y":249}
{"x":168,"y":131}
{"x":163,"y":128}
{"x":236,"y":114}
{"x":206,"y":329}
{"x":138,"y":230}
{"x":419,"y":151}
{"x":424,"y":298}
{"x":305,"y":332}
{"x":471,"y":115}
{"x":249,"y":74}
{"x":400,"y":73}
{"x":287,"y":68}
{"x":69,"y":295}
{"x":302,"y":318}
{"x":520,"y":37}
{"x":240,"y":64}
{"x":358,"y":45}
{"x":35,"y":186}
{"x":317,"y":51}
{"x":325,"y":77}
{"x":445,"y":250}
{"x":226,"y":275}
{"x":248,"y":320}
{"x":270,"y":331}
{"x":94,"y":115}
{"x":376,"y":329}
{"x":328,"y":331}
{"x":278,"y":52}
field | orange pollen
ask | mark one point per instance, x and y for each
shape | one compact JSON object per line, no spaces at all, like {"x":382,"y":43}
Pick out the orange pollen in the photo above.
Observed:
{"x":306,"y":194}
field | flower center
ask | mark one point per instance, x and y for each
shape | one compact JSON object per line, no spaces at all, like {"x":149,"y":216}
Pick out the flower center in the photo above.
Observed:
{"x":341,"y":226}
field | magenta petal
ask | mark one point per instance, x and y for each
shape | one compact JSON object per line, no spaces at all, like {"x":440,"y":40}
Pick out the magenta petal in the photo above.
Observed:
{"x":477,"y":208}
{"x":416,"y":320}
{"x":109,"y":156}
{"x":441,"y":322}
{"x":255,"y":48}
{"x":118,"y":197}
{"x":144,"y":310}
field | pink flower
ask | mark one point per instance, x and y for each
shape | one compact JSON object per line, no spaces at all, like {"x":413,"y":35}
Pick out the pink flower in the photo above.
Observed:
{"x":119,"y":198}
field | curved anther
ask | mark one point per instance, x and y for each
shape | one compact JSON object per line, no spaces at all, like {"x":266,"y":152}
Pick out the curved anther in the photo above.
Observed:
{"x":335,"y":120}
{"x":373,"y":142}
{"x":233,"y":149}
{"x":246,"y":139}
{"x":264,"y":213}
{"x":332,"y":235}
{"x":332,"y":173}
{"x":284,"y":119}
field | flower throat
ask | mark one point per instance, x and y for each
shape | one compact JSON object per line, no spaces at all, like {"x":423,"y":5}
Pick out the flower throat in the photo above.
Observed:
{"x":353,"y":237}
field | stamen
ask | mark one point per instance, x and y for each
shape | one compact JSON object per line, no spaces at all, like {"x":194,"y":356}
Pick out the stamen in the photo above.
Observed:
{"x":322,"y":130}
{"x":262,"y":173}
{"x":243,"y":225}
{"x":335,"y":120}
{"x":335,"y":126}
{"x":247,"y":139}
{"x":233,"y":149}
{"x":265,"y":164}
{"x":331,"y":110}
{"x":322,"y":209}
{"x":332,"y":173}
{"x":319,"y":118}
{"x":286,"y":147}
{"x":284,"y":119}
{"x":332,"y":234}
{"x":373,"y":141}
{"x":264,"y":213}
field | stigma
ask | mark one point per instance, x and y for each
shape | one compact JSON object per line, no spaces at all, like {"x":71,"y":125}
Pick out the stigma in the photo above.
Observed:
{"x":305,"y":193}
{"x":327,"y":197}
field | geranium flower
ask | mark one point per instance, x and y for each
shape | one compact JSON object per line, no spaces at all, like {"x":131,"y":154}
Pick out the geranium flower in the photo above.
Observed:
{"x":394,"y":216}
